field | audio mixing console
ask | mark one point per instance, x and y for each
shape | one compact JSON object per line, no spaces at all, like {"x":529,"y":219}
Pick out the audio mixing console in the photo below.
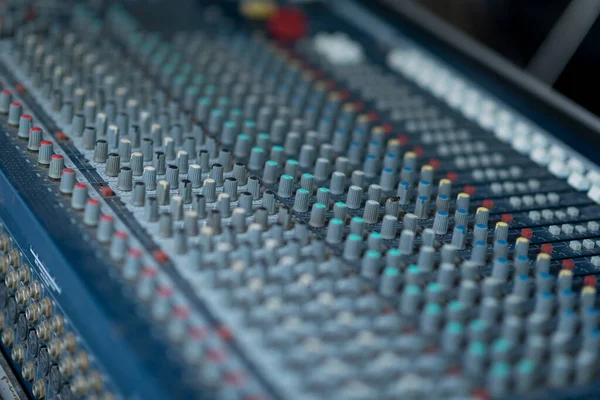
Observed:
{"x":318,"y":201}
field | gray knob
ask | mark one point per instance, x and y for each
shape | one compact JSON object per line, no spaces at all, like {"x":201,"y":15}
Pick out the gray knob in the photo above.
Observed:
{"x":147,"y":149}
{"x":388,"y":227}
{"x":125,"y":181}
{"x":45,"y":153}
{"x":440,"y":222}
{"x":113,"y":165}
{"x":354,"y":198}
{"x":149,"y":178}
{"x":79,"y":196}
{"x":91,"y":212}
{"x":101,"y":151}
{"x":15,"y":110}
{"x":210,"y":190}
{"x":35,"y":139}
{"x":165,"y":225}
{"x":371,"y":212}
{"x":113,"y":137}
{"x":482,"y":216}
{"x":334,"y":231}
{"x":151,"y":209}
{"x":125,"y":149}
{"x":25,"y":126}
{"x":317,"y":215}
{"x":105,"y":228}
{"x":67,"y":181}
{"x":137,"y":163}
{"x":301,"y":200}
{"x":5,"y":100}
{"x":57,"y":163}
{"x":458,"y":236}
{"x":195,"y":175}
{"x":139,"y":194}
{"x":162,"y":192}
{"x":172,"y":175}
{"x":407,"y":238}
{"x":89,"y":138}
{"x":118,"y":246}
{"x":286,"y":186}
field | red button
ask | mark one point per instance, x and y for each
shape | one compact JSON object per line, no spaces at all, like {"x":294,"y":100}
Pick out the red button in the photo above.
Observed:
{"x":197,"y":332}
{"x":160,"y":256}
{"x":527,"y":233}
{"x":468,"y":189}
{"x":568,"y":264}
{"x":547,"y":248}
{"x":419,"y":151}
{"x":508,"y":218}
{"x":216,"y":355}
{"x":481,"y":394}
{"x":224,"y":333}
{"x":590,"y":281}
{"x":149,"y":272}
{"x":487,"y":203}
{"x":403,"y":139}
{"x":181,"y":311}
{"x":453,"y":176}
{"x":107,"y":192}
{"x":288,"y":24}
{"x":164,"y":291}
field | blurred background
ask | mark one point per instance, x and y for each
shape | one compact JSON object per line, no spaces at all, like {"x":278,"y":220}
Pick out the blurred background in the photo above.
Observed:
{"x":541,"y":36}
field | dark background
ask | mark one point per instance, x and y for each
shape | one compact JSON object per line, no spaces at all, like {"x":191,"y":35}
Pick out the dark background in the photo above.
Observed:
{"x":516,"y":28}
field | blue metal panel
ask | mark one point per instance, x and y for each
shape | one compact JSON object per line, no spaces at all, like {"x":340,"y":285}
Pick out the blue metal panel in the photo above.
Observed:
{"x":93,"y":301}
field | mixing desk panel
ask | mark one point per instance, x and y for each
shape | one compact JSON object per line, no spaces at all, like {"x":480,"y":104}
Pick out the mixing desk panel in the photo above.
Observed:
{"x":252,"y":201}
